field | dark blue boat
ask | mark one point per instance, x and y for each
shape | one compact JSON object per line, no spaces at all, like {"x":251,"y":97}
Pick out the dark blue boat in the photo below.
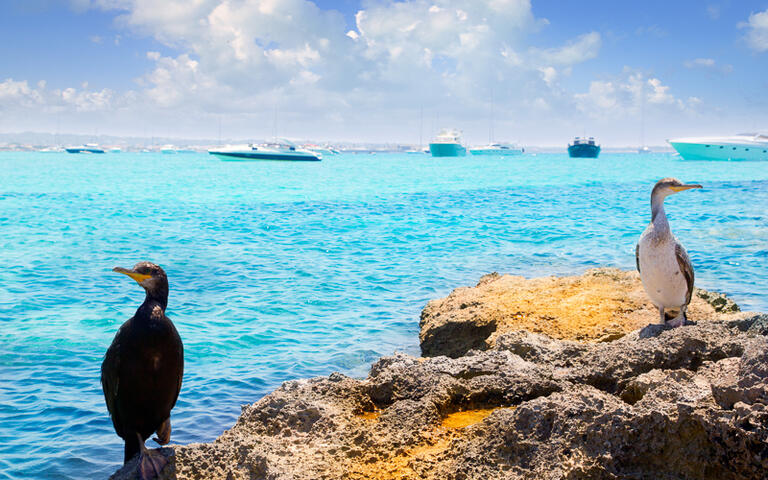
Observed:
{"x":583,"y":148}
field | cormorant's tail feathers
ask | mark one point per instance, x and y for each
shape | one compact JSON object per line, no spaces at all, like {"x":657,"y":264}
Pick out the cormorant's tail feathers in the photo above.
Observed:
{"x":164,"y":432}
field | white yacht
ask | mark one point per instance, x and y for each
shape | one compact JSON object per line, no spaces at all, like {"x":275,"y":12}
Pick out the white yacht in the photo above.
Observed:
{"x":744,"y":146}
{"x":447,"y":143}
{"x":280,"y":150}
{"x":87,"y":148}
{"x":499,"y":149}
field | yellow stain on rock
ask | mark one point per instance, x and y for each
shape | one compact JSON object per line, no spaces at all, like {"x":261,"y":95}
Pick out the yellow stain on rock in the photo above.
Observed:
{"x":374,"y":415}
{"x":466,"y":418}
{"x":413,"y":462}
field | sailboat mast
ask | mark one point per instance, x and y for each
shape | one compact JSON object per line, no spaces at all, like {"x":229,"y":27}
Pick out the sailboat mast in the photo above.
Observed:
{"x":642,"y":113}
{"x":490,"y":127}
{"x":421,"y":127}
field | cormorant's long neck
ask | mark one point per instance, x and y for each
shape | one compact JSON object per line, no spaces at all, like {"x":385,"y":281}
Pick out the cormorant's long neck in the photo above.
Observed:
{"x":155,"y":297}
{"x":658,"y":216}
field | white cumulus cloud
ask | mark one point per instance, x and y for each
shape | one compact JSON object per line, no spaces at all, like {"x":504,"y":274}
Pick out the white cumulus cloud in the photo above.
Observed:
{"x":757,"y":31}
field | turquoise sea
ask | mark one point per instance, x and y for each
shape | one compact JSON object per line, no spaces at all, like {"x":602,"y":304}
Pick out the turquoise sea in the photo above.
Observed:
{"x":287,"y":270}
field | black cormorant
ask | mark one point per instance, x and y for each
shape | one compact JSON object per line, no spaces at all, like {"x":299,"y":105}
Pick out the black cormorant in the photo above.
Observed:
{"x":142,"y":370}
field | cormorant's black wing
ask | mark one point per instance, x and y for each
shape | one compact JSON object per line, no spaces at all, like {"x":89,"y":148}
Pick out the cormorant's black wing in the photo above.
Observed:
{"x":687,"y":268}
{"x":180,"y":353}
{"x":637,"y":256}
{"x":110,"y":380}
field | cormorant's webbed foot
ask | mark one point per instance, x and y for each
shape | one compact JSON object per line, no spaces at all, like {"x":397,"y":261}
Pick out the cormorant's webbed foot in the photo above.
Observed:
{"x":678,"y":321}
{"x":151,"y":463}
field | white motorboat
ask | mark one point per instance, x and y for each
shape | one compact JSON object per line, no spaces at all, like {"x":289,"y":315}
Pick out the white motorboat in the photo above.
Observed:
{"x":500,"y":149}
{"x":87,"y":148}
{"x":744,"y":146}
{"x":280,"y":150}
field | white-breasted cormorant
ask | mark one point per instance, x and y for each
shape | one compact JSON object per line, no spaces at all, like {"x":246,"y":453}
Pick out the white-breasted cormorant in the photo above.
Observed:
{"x":664,"y":266}
{"x":142,"y":371}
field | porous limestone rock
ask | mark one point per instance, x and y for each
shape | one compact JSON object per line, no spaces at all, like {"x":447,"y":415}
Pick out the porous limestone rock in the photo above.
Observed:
{"x":683,"y":403}
{"x":601,"y":305}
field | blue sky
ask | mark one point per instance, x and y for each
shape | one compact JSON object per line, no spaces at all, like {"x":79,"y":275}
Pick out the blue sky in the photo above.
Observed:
{"x":363,"y":70}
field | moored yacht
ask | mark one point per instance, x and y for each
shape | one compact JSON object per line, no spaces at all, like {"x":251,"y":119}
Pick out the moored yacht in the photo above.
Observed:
{"x":499,"y":149}
{"x":280,"y":150}
{"x":87,"y":148}
{"x":744,"y":146}
{"x":584,"y":148}
{"x":447,"y":143}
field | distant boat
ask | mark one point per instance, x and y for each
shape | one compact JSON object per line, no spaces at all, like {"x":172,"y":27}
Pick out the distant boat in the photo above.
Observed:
{"x":325,"y":150}
{"x":281,"y":150}
{"x":644,"y":150}
{"x":447,"y":144}
{"x":115,"y":150}
{"x":744,"y":146}
{"x":51,"y":150}
{"x":87,"y":148}
{"x":168,"y":149}
{"x":583,"y":148}
{"x":500,"y":149}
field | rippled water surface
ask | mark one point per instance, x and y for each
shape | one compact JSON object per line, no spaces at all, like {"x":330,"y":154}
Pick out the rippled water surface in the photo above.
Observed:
{"x":280,"y":271}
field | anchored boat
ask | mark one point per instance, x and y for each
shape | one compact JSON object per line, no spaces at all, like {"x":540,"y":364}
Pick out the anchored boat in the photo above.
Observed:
{"x":87,"y":148}
{"x":447,"y":143}
{"x":583,"y":148}
{"x":744,"y":146}
{"x":498,"y":149}
{"x":281,"y":150}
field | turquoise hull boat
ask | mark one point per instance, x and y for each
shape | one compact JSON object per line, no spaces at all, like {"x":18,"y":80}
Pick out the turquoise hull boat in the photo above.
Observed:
{"x":447,"y":150}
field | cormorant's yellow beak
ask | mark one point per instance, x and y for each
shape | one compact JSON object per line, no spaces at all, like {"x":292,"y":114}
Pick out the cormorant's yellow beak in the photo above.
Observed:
{"x":139,"y":277}
{"x":682,"y":188}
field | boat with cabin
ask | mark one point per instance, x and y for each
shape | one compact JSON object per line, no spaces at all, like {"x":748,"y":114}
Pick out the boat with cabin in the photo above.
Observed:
{"x":87,"y":148}
{"x":583,"y":148}
{"x":279,"y":150}
{"x":744,"y":146}
{"x":447,"y":143}
{"x":498,"y":149}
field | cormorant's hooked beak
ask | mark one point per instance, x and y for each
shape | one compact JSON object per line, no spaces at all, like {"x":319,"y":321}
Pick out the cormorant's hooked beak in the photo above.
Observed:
{"x":138,"y":277}
{"x":682,"y":188}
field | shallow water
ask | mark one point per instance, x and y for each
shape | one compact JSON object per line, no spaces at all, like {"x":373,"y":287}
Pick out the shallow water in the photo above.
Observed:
{"x":280,"y":271}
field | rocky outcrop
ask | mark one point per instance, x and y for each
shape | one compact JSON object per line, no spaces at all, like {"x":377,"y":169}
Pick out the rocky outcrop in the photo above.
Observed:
{"x":601,"y":305}
{"x":684,"y":403}
{"x":658,"y":403}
